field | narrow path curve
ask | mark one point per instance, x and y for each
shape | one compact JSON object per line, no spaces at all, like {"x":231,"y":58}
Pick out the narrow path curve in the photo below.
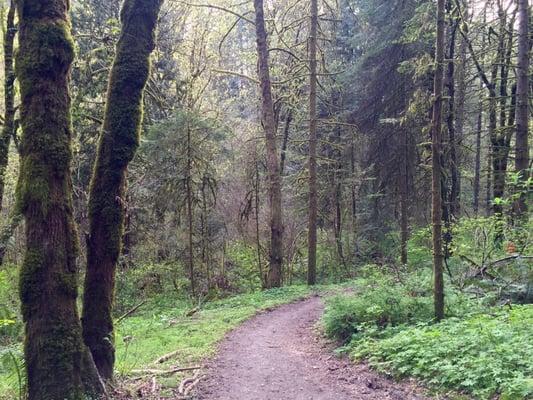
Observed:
{"x":277,"y":355}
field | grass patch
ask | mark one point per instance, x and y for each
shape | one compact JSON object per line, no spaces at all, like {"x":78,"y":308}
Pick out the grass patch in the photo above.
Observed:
{"x":144,"y":338}
{"x":161,"y":327}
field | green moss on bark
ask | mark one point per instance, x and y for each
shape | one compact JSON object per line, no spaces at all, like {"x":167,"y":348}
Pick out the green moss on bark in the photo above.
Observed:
{"x":9,"y":99}
{"x":53,"y":347}
{"x":118,"y":143}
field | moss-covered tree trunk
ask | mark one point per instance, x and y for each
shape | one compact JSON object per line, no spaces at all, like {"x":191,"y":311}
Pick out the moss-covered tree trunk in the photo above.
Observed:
{"x":273,"y":163}
{"x":117,"y":145}
{"x":9,"y":97}
{"x":57,"y":363}
{"x":9,"y":122}
{"x":313,"y":184}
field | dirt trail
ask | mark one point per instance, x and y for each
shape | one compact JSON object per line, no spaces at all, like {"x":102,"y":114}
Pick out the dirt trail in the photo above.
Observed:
{"x":278,"y":356}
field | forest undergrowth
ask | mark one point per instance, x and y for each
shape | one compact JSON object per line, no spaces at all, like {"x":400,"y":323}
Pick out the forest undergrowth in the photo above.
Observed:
{"x":482,"y":350}
{"x":383,"y":315}
{"x":162,"y":332}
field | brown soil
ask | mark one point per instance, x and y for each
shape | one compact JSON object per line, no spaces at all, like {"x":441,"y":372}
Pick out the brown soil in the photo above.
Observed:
{"x":279,"y":355}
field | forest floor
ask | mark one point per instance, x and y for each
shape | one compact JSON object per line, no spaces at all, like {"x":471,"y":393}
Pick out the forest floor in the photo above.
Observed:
{"x":280,"y":355}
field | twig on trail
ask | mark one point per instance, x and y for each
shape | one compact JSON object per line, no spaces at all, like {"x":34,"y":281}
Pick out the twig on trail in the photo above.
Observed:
{"x":126,"y":315}
{"x":160,"y":372}
{"x":191,"y":387}
{"x":188,"y":384}
{"x":166,"y":357}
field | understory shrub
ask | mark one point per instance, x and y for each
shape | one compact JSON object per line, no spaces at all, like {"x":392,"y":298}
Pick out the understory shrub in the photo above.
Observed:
{"x":10,"y":319}
{"x":484,"y":355}
{"x":348,"y":315}
{"x":385,"y":299}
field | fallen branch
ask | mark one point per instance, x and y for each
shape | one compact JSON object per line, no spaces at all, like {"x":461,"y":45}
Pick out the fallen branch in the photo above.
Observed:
{"x":161,"y":372}
{"x":191,"y":387}
{"x":510,"y":258}
{"x":188,"y":384}
{"x":192,"y":312}
{"x":483,"y":270}
{"x":166,"y":357}
{"x":126,"y":315}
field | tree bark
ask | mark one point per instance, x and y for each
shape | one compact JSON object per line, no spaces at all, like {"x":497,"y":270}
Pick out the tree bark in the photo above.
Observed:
{"x":522,"y":104}
{"x":501,"y":139}
{"x":404,"y":208}
{"x":438,"y":255}
{"x":490,"y":85}
{"x":57,"y":362}
{"x":456,"y":200}
{"x":453,"y":199}
{"x":353,"y":192}
{"x":313,"y":190}
{"x":118,"y":142}
{"x":477,"y":163}
{"x":285,"y":143}
{"x":190,"y":221}
{"x":273,"y":164}
{"x":257,"y":201}
{"x":9,"y":97}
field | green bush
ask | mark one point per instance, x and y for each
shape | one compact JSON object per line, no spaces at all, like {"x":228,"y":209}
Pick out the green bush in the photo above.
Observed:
{"x":12,"y":373}
{"x":484,"y":355}
{"x":379,"y":302}
{"x":164,"y":282}
{"x":242,"y":270}
{"x":10,"y":319}
{"x":386,"y":298}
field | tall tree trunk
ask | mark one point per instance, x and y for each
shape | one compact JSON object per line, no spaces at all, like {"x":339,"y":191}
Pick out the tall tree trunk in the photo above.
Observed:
{"x":522,"y":101}
{"x":438,"y":256}
{"x":313,"y":190}
{"x":190,"y":222}
{"x":285,"y":143}
{"x":206,"y":250}
{"x":56,"y":359}
{"x":9,"y":124}
{"x":338,"y":221}
{"x":118,"y":142}
{"x":353,"y":195}
{"x":488,"y":187}
{"x":452,"y":199}
{"x":477,"y":163}
{"x":493,"y":126}
{"x":500,"y":139}
{"x":490,"y":85}
{"x":257,"y":200}
{"x":404,"y":208}
{"x":273,"y":165}
{"x":459,"y":129}
{"x":9,"y":97}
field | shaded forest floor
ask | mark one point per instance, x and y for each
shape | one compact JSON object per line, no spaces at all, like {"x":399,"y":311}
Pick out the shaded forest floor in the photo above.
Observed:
{"x":280,"y":355}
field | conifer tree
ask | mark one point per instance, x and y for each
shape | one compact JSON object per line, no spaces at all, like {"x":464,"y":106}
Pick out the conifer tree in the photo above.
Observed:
{"x":438,"y":256}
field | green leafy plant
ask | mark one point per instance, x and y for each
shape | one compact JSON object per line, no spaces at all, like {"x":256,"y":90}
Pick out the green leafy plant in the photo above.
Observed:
{"x":484,"y":355}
